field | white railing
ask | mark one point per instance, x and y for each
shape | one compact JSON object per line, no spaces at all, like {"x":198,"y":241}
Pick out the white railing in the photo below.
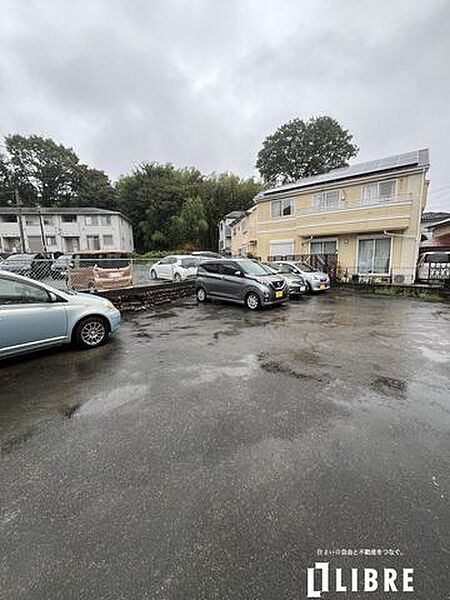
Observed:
{"x":344,"y":204}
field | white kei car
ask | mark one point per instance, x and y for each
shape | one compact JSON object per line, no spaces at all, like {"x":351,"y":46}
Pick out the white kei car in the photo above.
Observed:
{"x":176,"y":267}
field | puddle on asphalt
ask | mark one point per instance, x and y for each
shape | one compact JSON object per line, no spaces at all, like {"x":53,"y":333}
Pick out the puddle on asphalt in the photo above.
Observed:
{"x":199,"y":374}
{"x":435,"y":355}
{"x":112,"y":400}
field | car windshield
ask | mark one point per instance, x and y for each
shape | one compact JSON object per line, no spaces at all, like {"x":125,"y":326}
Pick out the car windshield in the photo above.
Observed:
{"x":280,"y":268}
{"x":304,"y":267}
{"x":251,"y":267}
{"x":188,"y":263}
{"x":19,"y":258}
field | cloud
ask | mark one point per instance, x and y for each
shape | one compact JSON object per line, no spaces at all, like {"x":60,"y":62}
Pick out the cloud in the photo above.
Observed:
{"x":202,"y":83}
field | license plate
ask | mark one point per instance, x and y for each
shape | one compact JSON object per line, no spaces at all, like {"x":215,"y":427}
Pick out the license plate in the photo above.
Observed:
{"x":115,"y":275}
{"x":323,"y":286}
{"x":278,"y":294}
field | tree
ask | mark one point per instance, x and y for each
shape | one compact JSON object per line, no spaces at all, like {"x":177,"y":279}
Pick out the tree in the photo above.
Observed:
{"x":300,"y":149}
{"x":93,"y":188}
{"x":190,"y":225}
{"x":150,"y":196}
{"x":43,"y":171}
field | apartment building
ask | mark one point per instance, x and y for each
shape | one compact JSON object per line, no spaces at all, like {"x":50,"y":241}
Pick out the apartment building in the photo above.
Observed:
{"x":64,"y":229}
{"x":225,"y":231}
{"x":368,"y":213}
{"x":243,"y":234}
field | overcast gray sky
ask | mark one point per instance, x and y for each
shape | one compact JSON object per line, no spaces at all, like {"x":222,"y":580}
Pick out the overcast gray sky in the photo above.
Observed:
{"x":202,"y":82}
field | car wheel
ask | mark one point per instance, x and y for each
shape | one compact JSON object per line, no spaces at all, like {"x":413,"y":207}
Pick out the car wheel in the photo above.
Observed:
{"x":309,"y":287}
{"x":177,"y":277}
{"x":91,"y":332}
{"x":201,"y":294}
{"x":153,"y":274}
{"x":252,"y":301}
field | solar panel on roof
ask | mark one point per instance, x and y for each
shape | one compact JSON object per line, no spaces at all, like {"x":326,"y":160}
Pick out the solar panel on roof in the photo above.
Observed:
{"x":417,"y":157}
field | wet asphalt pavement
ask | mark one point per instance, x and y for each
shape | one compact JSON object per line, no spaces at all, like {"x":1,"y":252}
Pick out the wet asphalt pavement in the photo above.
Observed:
{"x":209,"y":452}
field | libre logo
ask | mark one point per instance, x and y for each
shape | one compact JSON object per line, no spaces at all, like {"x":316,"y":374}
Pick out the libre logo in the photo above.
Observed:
{"x":357,"y":580}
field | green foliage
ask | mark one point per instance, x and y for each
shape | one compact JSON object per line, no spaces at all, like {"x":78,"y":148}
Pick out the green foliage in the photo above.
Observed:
{"x":49,"y":174}
{"x":189,"y":226}
{"x":171,"y":208}
{"x":300,"y":149}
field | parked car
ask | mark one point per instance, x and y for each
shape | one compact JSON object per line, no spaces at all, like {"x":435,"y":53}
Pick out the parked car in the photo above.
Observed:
{"x":434,"y":266}
{"x":35,"y":265}
{"x":34,"y":316}
{"x":99,"y":270}
{"x":240,"y":280}
{"x":297,"y":285}
{"x":316,"y":281}
{"x":177,"y":267}
{"x":207,"y":254}
{"x":59,"y":268}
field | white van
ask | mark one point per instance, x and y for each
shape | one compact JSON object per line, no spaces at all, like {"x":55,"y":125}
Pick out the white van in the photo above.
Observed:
{"x":434,"y":266}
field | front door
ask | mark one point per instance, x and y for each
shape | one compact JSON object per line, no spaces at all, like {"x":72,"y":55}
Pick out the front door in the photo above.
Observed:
{"x":28,"y":317}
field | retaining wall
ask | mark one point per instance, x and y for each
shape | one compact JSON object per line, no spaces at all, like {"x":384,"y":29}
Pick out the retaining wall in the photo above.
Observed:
{"x":147,"y":296}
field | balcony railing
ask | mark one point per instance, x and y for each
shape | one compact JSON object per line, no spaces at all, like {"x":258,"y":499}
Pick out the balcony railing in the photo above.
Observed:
{"x":349,"y":205}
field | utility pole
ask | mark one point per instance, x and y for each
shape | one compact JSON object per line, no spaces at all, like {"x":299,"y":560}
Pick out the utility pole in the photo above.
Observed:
{"x":41,"y":225}
{"x":19,"y":216}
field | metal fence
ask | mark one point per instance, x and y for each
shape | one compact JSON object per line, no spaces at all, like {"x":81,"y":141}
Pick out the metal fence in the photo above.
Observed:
{"x":328,"y":263}
{"x":83,"y":274}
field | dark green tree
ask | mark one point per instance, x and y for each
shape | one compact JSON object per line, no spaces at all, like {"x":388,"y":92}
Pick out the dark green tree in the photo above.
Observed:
{"x":150,"y":196}
{"x":93,"y":188}
{"x":41,"y":170}
{"x":190,"y":225}
{"x":300,"y":149}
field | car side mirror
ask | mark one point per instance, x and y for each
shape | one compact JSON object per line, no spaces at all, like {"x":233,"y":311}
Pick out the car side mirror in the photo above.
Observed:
{"x":238,"y":273}
{"x":53,"y":297}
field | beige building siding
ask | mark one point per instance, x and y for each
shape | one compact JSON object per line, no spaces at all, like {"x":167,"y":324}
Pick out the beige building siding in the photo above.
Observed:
{"x":354,"y":219}
{"x":244,"y":235}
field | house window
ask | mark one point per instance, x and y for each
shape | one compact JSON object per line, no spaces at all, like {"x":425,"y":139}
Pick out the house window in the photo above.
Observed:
{"x":108,"y":240}
{"x":244,"y":225}
{"x":31,"y":220}
{"x":323,"y":247}
{"x":71,"y":244}
{"x":68,"y":218}
{"x":11,"y":244}
{"x":105,"y":219}
{"x":51,"y":240}
{"x":380,"y":191}
{"x":93,"y":242}
{"x":282,"y":208}
{"x":8,"y":219}
{"x":374,"y":256}
{"x":91,"y":220}
{"x":327,"y":200}
{"x":282,"y":248}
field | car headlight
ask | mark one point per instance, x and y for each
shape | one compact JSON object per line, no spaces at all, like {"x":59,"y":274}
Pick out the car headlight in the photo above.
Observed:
{"x":108,"y":304}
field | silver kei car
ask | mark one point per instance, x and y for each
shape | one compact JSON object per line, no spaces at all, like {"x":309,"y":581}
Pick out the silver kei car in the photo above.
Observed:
{"x":34,"y":316}
{"x":240,"y":280}
{"x":316,"y":281}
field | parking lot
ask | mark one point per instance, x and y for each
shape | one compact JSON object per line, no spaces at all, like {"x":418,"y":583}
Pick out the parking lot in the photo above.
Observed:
{"x":210,"y":452}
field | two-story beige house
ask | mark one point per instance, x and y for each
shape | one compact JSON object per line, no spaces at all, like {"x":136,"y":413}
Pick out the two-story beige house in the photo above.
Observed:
{"x":243,"y":234}
{"x":368,"y":213}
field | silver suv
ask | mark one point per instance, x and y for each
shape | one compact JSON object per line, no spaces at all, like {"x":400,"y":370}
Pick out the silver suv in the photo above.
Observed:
{"x":240,"y":280}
